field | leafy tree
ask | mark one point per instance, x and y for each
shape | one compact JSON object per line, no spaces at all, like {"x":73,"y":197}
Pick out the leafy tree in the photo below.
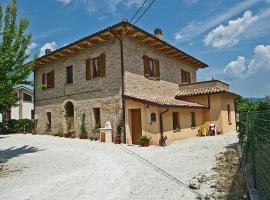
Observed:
{"x":13,"y":45}
{"x":244,"y":105}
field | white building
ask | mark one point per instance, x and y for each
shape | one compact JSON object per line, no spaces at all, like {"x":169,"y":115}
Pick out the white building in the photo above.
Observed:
{"x":25,"y":108}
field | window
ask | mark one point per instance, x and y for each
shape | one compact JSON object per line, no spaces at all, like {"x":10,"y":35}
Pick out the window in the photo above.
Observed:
{"x":153,"y":117}
{"x":151,"y":67}
{"x":185,"y":76}
{"x":69,"y":74}
{"x":176,"y":121}
{"x":27,"y":97}
{"x":193,"y":119}
{"x":50,"y":79}
{"x":49,"y":121}
{"x":96,"y":112}
{"x":95,"y":67}
{"x":32,"y":114}
{"x":229,"y":114}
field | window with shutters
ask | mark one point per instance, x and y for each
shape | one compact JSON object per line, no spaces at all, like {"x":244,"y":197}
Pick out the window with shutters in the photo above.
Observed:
{"x":193,"y":119}
{"x":50,"y":79}
{"x":151,"y":68}
{"x":95,"y":67}
{"x":69,"y":74}
{"x":176,"y":121}
{"x":185,"y":76}
{"x":96,"y":112}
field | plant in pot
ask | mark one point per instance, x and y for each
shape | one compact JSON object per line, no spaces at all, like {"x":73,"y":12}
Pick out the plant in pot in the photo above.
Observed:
{"x":70,"y":131}
{"x":144,"y":140}
{"x":83,"y":134}
{"x":117,"y":139}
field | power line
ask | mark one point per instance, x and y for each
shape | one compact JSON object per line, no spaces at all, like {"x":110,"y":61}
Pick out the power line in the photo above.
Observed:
{"x":144,"y":11}
{"x":138,"y":10}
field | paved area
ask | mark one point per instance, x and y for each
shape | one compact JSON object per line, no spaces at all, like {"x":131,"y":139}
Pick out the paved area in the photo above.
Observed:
{"x":41,"y":167}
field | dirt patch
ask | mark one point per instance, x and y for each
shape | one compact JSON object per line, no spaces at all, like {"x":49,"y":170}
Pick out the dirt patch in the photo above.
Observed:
{"x":228,"y":181}
{"x":6,"y":170}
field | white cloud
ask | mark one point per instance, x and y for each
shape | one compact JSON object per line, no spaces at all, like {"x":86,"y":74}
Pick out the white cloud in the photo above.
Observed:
{"x":102,"y":6}
{"x":261,"y":59}
{"x":239,"y":68}
{"x":236,"y":68}
{"x":48,"y":45}
{"x":196,"y":28}
{"x":227,"y":36}
{"x":32,"y":46}
{"x":65,"y":2}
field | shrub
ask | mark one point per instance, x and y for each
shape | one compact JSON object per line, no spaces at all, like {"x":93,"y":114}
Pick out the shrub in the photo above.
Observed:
{"x":16,"y":126}
{"x":145,"y":138}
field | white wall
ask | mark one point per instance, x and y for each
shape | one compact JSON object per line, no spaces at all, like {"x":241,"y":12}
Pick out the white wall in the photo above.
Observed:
{"x":15,"y":112}
{"x":26,"y":110}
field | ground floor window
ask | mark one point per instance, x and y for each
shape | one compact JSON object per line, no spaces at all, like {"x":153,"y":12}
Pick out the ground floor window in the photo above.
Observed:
{"x":176,"y":121}
{"x":96,"y":112}
{"x":229,"y":114}
{"x":193,"y":119}
{"x":49,"y":121}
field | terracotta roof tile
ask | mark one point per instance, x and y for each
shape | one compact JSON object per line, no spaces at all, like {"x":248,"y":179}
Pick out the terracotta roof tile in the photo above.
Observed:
{"x":164,"y":101}
{"x":202,"y":91}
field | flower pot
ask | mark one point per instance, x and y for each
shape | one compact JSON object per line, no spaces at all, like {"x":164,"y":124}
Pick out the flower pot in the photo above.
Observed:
{"x":117,"y":139}
{"x":83,"y":136}
{"x":67,"y":135}
{"x":145,"y":143}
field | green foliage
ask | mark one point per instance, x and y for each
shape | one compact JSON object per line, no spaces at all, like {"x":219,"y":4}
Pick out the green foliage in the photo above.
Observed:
{"x":120,"y":127}
{"x":16,"y":126}
{"x":145,"y":138}
{"x":13,"y":45}
{"x":83,"y":128}
{"x":245,"y":105}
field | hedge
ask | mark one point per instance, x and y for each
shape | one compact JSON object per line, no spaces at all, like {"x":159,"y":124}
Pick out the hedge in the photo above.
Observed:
{"x":16,"y":126}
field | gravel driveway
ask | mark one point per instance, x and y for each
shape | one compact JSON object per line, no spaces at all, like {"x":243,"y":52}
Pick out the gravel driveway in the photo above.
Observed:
{"x":41,"y":167}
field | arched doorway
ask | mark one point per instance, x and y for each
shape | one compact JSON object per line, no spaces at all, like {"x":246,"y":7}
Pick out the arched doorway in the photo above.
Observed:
{"x":69,"y":116}
{"x":69,"y":108}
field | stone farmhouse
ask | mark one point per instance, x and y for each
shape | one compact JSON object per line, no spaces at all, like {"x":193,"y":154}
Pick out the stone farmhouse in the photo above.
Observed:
{"x":125,"y":74}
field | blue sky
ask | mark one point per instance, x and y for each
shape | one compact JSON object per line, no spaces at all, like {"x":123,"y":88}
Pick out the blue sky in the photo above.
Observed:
{"x":232,"y":37}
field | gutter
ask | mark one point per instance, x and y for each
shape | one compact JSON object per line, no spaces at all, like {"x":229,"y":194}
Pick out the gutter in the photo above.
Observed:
{"x":123,"y":85}
{"x":161,"y":126}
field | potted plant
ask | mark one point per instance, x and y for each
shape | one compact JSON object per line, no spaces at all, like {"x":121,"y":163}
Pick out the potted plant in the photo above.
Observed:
{"x":117,"y":139}
{"x":70,"y":132}
{"x":83,"y":134}
{"x":144,"y":140}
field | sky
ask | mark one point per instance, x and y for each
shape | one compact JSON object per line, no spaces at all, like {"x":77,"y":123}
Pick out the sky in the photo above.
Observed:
{"x":231,"y":36}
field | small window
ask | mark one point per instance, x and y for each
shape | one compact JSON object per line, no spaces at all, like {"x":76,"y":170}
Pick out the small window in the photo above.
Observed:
{"x":193,"y":119}
{"x":176,"y":121}
{"x":69,"y":74}
{"x":95,"y":67}
{"x":27,"y":97}
{"x":185,"y":76}
{"x":49,"y":121}
{"x":151,"y":67}
{"x":153,"y":117}
{"x":50,"y":79}
{"x":96,"y":112}
{"x":229,"y":114}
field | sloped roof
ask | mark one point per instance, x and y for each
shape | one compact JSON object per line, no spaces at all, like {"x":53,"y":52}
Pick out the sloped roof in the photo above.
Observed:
{"x":164,"y":101}
{"x":203,"y":91}
{"x":123,"y":28}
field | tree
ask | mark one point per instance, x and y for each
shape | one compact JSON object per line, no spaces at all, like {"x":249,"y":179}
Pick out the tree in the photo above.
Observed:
{"x":13,"y":55}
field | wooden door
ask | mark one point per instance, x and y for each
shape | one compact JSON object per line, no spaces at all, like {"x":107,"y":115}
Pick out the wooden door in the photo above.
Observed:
{"x":136,"y":126}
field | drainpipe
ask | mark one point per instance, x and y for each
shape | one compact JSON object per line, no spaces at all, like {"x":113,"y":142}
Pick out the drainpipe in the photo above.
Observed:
{"x":161,"y":122}
{"x":123,"y":85}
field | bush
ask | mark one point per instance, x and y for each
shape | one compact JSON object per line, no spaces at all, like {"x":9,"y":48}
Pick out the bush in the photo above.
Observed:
{"x":16,"y":126}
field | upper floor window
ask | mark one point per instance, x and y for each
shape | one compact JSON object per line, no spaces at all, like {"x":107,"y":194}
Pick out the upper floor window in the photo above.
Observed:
{"x":185,"y":76}
{"x":95,"y":67}
{"x":48,"y":80}
{"x":69,"y":74}
{"x":27,"y":97}
{"x":151,"y":67}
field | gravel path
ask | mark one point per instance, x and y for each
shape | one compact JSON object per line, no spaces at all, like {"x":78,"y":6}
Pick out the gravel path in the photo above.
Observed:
{"x":51,"y":168}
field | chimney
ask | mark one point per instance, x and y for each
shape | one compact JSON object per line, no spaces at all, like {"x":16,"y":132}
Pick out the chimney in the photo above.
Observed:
{"x":158,"y":33}
{"x":47,"y":51}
